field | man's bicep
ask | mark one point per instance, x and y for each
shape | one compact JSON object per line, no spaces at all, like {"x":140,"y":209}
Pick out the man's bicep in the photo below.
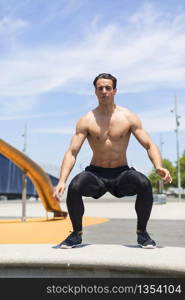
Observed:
{"x":143,"y":137}
{"x":78,"y":139}
{"x":140,"y":133}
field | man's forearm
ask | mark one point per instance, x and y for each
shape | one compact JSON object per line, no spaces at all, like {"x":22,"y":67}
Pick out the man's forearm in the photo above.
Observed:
{"x":67,"y":166}
{"x":155,"y":156}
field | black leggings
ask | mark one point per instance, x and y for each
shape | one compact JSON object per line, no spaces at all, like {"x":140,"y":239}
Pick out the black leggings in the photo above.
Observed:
{"x":122,"y":181}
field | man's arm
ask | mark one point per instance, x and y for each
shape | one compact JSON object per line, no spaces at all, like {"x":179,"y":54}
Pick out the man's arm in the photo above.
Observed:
{"x":152,"y":149}
{"x":70,"y":156}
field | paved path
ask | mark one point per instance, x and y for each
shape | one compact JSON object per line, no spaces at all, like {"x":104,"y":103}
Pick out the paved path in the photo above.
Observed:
{"x":108,"y":250}
{"x":166,"y":224}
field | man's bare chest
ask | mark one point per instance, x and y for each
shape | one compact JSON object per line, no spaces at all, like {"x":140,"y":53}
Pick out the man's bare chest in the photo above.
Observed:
{"x":113,"y":131}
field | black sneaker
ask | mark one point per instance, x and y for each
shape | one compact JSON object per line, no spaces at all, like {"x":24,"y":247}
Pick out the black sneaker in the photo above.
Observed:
{"x":145,"y":241}
{"x":73,"y":240}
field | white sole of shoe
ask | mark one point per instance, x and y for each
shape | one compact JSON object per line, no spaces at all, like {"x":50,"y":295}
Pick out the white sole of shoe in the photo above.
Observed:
{"x":148,"y":246}
{"x":68,"y":247}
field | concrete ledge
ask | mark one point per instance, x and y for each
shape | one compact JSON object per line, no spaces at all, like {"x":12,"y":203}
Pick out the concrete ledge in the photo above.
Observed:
{"x":95,"y":260}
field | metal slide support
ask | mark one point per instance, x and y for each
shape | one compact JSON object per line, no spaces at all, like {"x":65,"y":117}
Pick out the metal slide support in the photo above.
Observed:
{"x":37,"y":175}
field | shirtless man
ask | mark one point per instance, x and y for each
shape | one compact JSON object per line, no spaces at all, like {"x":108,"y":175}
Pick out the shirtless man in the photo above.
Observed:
{"x":108,"y":128}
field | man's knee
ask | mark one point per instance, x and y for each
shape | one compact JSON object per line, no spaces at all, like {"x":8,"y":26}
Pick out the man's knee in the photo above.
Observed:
{"x":141,"y":181}
{"x":74,"y":185}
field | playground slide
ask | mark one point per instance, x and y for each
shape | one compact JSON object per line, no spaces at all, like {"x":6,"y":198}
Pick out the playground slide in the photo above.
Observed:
{"x":37,"y":175}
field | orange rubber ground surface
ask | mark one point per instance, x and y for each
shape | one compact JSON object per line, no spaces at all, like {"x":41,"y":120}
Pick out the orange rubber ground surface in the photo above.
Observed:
{"x":39,"y":230}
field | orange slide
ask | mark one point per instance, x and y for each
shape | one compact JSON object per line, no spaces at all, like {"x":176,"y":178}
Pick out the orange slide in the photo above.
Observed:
{"x":37,"y":175}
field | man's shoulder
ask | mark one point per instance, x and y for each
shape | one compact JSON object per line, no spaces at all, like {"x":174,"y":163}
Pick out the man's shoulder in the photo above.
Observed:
{"x":125,"y":111}
{"x":128,"y":114}
{"x":86,"y":116}
{"x":83,"y":121}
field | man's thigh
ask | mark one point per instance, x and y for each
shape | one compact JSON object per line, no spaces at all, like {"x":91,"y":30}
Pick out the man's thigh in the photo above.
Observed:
{"x":129,"y":183}
{"x":88,"y":184}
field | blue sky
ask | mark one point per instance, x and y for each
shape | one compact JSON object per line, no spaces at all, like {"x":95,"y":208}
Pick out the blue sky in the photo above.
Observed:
{"x":50,"y":52}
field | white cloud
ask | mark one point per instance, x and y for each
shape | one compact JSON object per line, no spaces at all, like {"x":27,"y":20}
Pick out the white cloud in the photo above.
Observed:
{"x":23,"y":107}
{"x":53,"y":130}
{"x":10,"y":107}
{"x":23,"y":116}
{"x":147,"y":53}
{"x":146,"y":14}
{"x":11,"y":26}
{"x":161,"y":120}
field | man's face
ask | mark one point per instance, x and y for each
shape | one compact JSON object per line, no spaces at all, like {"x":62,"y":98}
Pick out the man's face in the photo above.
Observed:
{"x":104,"y":90}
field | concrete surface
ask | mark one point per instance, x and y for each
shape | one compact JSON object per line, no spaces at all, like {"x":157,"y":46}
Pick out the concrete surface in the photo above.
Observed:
{"x":91,"y":261}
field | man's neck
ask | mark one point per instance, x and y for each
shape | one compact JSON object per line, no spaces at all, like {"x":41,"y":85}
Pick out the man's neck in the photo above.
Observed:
{"x":107,"y":109}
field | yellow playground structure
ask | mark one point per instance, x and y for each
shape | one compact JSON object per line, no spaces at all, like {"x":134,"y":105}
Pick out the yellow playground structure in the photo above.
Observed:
{"x":37,"y":175}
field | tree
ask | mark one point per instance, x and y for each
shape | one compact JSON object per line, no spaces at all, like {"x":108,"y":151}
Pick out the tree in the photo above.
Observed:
{"x":155,"y":178}
{"x":172,"y":169}
{"x":182,"y":168}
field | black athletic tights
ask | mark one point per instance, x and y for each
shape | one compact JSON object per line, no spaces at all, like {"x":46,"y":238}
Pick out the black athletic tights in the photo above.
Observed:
{"x":122,"y":181}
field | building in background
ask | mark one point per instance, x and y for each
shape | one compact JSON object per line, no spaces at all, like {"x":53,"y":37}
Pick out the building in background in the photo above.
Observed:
{"x":11,"y":181}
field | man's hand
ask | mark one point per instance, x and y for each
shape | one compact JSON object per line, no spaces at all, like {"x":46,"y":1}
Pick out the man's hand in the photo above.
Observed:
{"x":165,"y":175}
{"x":59,"y":190}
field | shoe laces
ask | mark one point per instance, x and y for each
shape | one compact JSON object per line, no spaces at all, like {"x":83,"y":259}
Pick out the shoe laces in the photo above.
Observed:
{"x":73,"y":233}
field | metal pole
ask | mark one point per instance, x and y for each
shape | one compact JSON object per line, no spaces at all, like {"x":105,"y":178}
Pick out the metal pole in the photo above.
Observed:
{"x":24,"y":181}
{"x":24,"y":197}
{"x":177,"y":146}
{"x":161,"y":184}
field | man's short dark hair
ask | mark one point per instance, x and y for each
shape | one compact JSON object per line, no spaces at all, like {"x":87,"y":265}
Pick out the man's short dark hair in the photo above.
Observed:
{"x":106,"y":76}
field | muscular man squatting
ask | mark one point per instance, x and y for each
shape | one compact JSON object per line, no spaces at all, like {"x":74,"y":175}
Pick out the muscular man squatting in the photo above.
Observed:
{"x":108,"y":128}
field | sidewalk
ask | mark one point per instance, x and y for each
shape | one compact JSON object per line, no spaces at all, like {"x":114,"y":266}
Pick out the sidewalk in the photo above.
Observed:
{"x":109,"y":249}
